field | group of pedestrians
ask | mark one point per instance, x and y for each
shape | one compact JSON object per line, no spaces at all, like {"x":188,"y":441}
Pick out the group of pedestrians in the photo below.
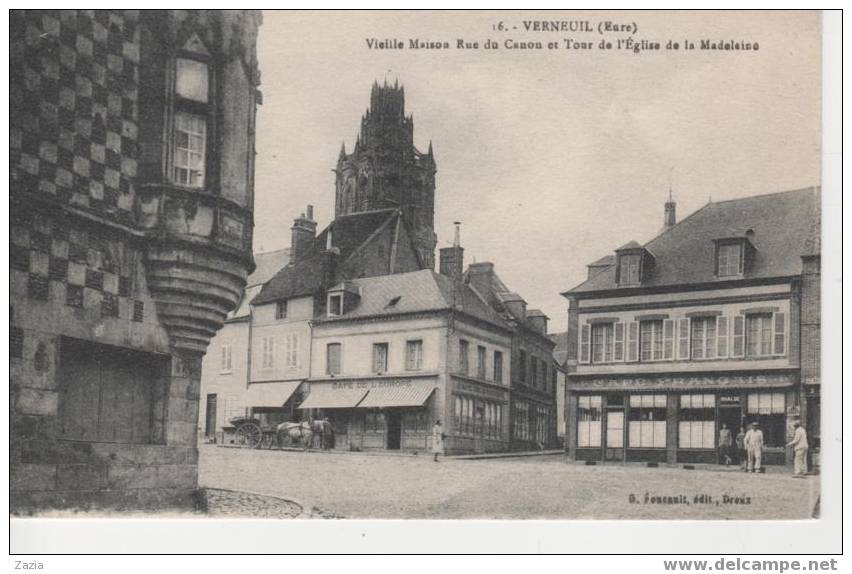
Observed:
{"x":750,"y":445}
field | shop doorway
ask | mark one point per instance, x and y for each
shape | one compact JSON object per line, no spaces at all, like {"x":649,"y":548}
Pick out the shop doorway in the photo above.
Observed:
{"x":731,"y":416}
{"x":614,"y":449}
{"x":394,"y":429}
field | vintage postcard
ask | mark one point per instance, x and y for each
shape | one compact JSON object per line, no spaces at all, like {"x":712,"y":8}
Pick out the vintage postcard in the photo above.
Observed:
{"x":415,"y":264}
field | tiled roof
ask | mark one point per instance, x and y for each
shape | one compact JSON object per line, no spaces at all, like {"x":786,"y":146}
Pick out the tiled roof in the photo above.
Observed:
{"x":417,"y":291}
{"x":783,"y":225}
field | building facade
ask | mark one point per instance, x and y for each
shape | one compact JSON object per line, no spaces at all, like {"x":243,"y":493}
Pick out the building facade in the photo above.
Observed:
{"x":131,"y":198}
{"x":701,"y":327}
{"x":396,"y":353}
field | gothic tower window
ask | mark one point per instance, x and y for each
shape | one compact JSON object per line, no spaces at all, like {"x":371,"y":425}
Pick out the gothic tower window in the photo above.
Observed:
{"x":191,"y":115}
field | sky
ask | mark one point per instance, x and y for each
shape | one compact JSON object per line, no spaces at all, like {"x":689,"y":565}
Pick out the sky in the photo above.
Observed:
{"x":549,"y":158}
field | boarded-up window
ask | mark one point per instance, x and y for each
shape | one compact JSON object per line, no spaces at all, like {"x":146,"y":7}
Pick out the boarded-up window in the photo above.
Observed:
{"x":108,"y":394}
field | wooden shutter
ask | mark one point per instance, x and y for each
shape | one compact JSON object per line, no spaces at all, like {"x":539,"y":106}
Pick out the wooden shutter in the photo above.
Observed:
{"x":618,"y":348}
{"x":633,"y":341}
{"x":780,"y":330}
{"x":721,"y":337}
{"x":738,"y":343}
{"x":668,"y":339}
{"x":683,"y":338}
{"x":585,"y":334}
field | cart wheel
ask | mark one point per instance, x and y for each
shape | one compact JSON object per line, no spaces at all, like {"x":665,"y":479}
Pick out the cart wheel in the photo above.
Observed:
{"x":249,"y":435}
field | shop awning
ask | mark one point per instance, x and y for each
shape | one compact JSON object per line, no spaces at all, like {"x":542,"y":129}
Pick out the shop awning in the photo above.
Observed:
{"x":270,"y":394}
{"x":411,"y":394}
{"x":326,"y":397}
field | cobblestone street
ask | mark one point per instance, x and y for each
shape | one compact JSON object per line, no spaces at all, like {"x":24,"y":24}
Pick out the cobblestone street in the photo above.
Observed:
{"x":361,"y":485}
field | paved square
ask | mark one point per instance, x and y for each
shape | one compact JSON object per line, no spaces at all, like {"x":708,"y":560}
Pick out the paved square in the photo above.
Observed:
{"x":358,"y":485}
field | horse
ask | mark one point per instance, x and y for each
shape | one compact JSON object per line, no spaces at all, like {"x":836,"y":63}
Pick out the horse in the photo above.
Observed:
{"x":296,"y":432}
{"x":323,"y":429}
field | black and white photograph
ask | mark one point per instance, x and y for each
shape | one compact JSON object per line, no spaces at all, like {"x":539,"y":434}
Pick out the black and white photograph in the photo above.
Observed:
{"x":331,"y":266}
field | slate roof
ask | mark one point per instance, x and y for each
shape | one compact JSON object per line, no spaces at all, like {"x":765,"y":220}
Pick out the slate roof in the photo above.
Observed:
{"x":415,"y":292}
{"x":784,"y":229}
{"x":298,"y":279}
{"x":560,"y":351}
{"x":316,"y":271}
{"x":266,"y":265}
{"x":349,"y":232}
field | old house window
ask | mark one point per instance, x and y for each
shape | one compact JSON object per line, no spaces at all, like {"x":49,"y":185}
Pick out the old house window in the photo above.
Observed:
{"x":268,"y":357}
{"x":191,"y":115}
{"x":335,"y":305}
{"x":380,"y":357}
{"x":480,"y":361}
{"x":414,"y":355}
{"x":333,"y":352}
{"x":759,"y":335}
{"x":41,"y":361}
{"x":226,"y":358}
{"x":588,"y":421}
{"x":291,"y":350}
{"x":522,"y":366}
{"x":602,"y":342}
{"x":498,"y":367}
{"x":651,"y":340}
{"x":703,"y":337}
{"x":281,"y":309}
{"x":464,"y":357}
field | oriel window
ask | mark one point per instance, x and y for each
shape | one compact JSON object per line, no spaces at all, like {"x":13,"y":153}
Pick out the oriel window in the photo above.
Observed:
{"x":191,"y":104}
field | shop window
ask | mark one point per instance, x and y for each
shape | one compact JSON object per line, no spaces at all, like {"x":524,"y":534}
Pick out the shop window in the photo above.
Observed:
{"x":498,"y":367}
{"x":374,"y":422}
{"x":415,"y":422}
{"x":380,"y":358}
{"x":480,"y":361}
{"x":703,"y":337}
{"x":602,"y":342}
{"x":281,"y":309}
{"x":521,"y":417}
{"x":647,"y":421}
{"x":333,"y":352}
{"x":464,"y":354}
{"x":589,"y":421}
{"x":769,"y":411}
{"x":697,"y":421}
{"x":414,"y":355}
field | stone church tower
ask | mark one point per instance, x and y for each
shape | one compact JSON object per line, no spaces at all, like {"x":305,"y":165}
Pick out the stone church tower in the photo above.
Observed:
{"x":385,"y":170}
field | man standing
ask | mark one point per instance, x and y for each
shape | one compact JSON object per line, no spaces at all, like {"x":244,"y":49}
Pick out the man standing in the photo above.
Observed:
{"x":800,"y":450}
{"x":742,"y":460}
{"x":437,"y":439}
{"x":754,"y":446}
{"x":725,"y":442}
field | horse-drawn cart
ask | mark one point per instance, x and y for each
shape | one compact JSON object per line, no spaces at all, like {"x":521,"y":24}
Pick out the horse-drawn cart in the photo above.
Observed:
{"x":249,"y":432}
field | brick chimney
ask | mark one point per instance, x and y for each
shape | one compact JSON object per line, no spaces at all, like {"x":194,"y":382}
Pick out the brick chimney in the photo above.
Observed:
{"x":669,"y":217}
{"x":452,"y":258}
{"x":302,"y":235}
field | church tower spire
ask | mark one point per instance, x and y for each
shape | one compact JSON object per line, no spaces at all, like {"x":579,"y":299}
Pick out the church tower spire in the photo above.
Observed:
{"x":385,"y":169}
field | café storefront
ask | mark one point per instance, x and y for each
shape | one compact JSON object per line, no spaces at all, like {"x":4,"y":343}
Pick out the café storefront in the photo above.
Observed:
{"x":376,"y":414}
{"x":677,"y":419}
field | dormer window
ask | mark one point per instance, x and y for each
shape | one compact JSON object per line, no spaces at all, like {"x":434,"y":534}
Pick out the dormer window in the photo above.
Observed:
{"x":730,"y":260}
{"x":632,"y":264}
{"x":192,"y":113}
{"x":629,"y":269}
{"x":335,"y":305}
{"x":733,"y":255}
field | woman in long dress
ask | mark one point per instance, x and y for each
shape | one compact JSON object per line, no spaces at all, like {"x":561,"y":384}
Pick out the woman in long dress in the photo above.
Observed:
{"x":437,"y":439}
